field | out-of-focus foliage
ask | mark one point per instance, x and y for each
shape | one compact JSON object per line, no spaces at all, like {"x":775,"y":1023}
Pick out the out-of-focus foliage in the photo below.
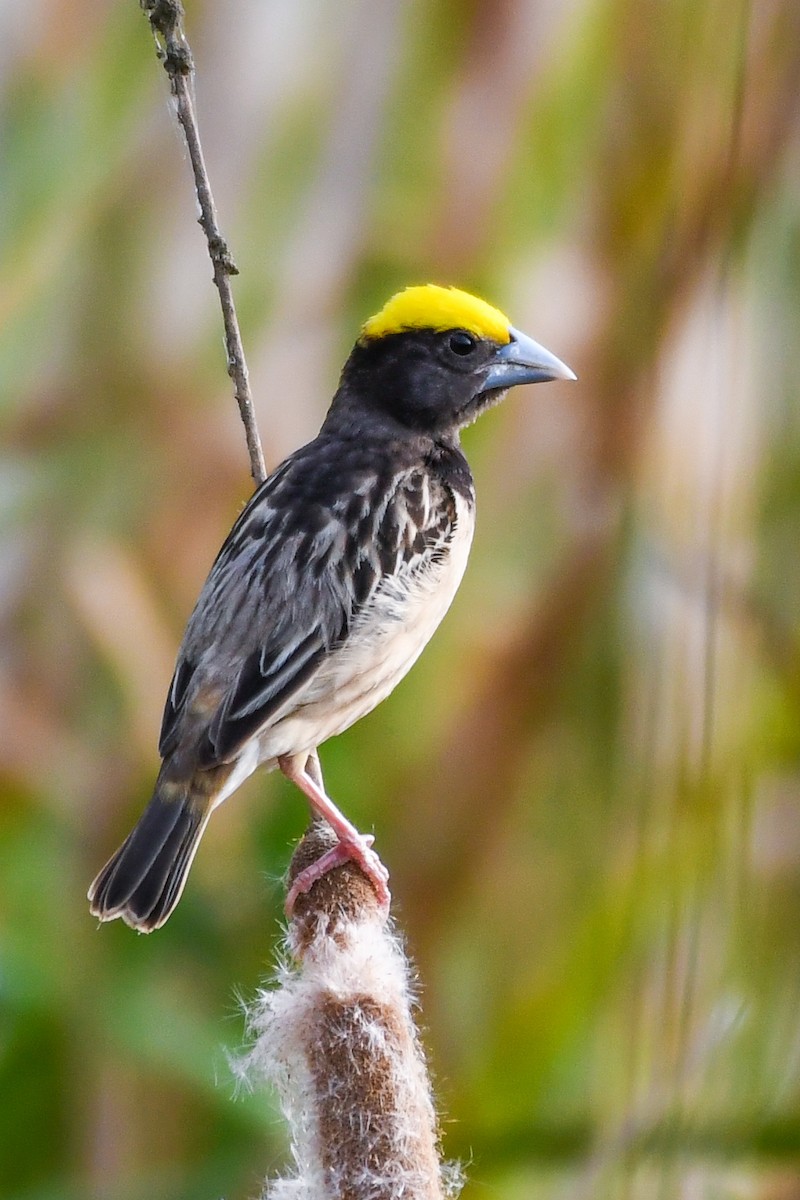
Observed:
{"x":588,"y":791}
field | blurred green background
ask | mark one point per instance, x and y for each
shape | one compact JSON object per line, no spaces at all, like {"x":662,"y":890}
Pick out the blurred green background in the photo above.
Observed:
{"x":588,"y":790}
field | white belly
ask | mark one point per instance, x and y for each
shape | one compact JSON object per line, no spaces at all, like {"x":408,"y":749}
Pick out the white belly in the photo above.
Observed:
{"x":382,"y":646}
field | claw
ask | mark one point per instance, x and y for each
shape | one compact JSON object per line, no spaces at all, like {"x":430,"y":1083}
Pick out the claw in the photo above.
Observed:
{"x":352,"y":846}
{"x":343,"y":852}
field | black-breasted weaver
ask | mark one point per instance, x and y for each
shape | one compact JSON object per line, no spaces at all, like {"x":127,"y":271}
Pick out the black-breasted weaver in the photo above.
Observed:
{"x":327,"y":588}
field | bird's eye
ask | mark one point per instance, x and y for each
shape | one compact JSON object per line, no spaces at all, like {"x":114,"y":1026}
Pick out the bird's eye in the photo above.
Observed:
{"x":461,"y":342}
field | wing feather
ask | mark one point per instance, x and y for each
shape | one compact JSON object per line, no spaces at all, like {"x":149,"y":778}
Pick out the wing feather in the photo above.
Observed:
{"x":305,"y":557}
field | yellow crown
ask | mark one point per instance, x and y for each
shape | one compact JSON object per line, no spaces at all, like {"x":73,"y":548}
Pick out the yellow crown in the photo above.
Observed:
{"x":431,"y":307}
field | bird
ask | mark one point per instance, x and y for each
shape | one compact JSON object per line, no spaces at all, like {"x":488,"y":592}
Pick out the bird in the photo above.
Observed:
{"x":327,"y":589}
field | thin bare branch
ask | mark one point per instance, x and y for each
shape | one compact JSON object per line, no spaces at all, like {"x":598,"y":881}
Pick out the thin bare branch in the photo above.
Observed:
{"x":166,"y":21}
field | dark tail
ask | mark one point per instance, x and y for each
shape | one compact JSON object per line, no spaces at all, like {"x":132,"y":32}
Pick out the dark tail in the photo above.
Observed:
{"x":143,"y":881}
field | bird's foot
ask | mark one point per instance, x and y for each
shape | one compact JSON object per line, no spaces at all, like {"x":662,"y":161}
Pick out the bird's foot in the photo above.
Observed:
{"x":358,"y":851}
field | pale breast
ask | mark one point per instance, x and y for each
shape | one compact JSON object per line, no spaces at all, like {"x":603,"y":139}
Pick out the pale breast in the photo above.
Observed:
{"x":385,"y":641}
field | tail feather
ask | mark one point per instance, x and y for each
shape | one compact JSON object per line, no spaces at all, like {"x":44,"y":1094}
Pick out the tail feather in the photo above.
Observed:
{"x":143,"y":881}
{"x":170,"y":893}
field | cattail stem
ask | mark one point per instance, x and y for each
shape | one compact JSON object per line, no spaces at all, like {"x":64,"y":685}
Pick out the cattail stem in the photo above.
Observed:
{"x":337,"y":1037}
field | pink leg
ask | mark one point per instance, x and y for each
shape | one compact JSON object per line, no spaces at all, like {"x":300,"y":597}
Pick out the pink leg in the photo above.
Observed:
{"x":352,"y":846}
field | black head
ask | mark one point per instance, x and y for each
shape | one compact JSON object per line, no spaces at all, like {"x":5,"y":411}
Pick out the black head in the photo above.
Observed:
{"x":434,"y":358}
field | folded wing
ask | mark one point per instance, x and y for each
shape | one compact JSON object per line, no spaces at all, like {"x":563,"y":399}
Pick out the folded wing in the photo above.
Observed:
{"x":306,"y":556}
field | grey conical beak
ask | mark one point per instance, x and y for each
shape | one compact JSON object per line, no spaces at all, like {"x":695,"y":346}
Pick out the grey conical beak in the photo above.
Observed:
{"x":524,"y":361}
